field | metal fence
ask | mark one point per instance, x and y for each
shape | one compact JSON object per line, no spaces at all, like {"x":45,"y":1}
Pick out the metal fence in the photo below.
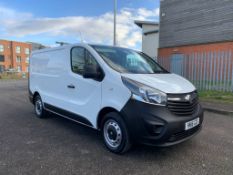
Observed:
{"x":206,"y":70}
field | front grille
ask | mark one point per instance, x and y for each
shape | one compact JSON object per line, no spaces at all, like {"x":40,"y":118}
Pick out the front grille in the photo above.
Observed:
{"x":181,"y":105}
{"x":183,"y":134}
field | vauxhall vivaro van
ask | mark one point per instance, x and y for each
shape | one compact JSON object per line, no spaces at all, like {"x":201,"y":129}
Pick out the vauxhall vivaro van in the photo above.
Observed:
{"x":121,"y":92}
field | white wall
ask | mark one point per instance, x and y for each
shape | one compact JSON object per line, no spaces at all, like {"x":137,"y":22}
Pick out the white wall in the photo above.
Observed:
{"x":150,"y":42}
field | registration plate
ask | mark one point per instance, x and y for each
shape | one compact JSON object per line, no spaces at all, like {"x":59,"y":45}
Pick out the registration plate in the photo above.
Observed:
{"x":191,"y":124}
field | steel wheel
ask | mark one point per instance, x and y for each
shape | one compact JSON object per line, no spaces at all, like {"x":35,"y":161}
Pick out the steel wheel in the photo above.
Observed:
{"x":115,"y":133}
{"x":112,"y":133}
{"x":38,"y":107}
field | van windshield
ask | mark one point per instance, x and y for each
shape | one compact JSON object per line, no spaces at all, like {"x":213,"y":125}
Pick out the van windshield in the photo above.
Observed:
{"x":128,"y":61}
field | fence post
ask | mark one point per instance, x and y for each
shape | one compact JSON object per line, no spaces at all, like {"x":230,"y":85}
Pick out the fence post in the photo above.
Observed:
{"x":204,"y":75}
{"x":199,"y":68}
{"x":218,"y":70}
{"x":210,"y":71}
{"x":225,"y":71}
{"x":214,"y":69}
{"x":191,"y":67}
{"x":221,"y":75}
{"x":229,"y":72}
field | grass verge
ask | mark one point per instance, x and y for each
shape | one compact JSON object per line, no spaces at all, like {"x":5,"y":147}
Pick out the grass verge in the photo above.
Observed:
{"x":216,"y":96}
{"x":12,"y":76}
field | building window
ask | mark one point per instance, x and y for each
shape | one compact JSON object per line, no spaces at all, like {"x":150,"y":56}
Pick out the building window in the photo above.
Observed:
{"x":1,"y":48}
{"x":27,"y":51}
{"x":2,"y":58}
{"x":27,"y":69}
{"x":18,"y":49}
{"x":2,"y":68}
{"x":27,"y":60}
{"x":19,"y":69}
{"x":18,"y":59}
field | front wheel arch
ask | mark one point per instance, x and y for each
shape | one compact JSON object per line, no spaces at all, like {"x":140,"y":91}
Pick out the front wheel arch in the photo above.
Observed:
{"x":102,"y":114}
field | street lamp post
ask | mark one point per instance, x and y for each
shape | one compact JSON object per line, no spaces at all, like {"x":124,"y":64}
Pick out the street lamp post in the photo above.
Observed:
{"x":114,"y":30}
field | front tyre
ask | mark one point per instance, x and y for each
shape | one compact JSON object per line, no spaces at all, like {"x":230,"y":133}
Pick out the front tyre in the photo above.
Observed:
{"x":115,"y":134}
{"x":38,"y":107}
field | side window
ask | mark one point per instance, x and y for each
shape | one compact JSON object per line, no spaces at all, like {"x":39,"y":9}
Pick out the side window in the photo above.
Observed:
{"x":90,"y":60}
{"x":78,"y":60}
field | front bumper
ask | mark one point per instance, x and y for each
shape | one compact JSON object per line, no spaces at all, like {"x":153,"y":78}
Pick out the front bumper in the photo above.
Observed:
{"x":156,"y":125}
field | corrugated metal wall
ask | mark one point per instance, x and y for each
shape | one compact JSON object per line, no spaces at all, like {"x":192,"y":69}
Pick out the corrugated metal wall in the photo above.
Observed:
{"x":184,"y":22}
{"x":211,"y":70}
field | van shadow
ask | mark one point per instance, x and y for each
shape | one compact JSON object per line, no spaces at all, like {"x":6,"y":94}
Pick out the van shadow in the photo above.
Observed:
{"x":93,"y":143}
{"x":74,"y":128}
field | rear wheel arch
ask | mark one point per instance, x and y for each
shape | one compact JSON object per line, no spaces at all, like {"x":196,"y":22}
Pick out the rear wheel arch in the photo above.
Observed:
{"x":35,"y":95}
{"x":38,"y":106}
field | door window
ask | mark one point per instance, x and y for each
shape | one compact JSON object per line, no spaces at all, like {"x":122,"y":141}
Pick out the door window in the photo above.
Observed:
{"x":78,"y":60}
{"x":90,"y":60}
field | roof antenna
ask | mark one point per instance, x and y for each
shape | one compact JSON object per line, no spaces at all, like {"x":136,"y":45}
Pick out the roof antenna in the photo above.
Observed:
{"x":61,"y":43}
{"x":81,"y":36}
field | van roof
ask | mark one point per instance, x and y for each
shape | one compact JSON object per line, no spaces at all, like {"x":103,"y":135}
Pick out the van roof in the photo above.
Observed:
{"x":69,"y":46}
{"x":59,"y":47}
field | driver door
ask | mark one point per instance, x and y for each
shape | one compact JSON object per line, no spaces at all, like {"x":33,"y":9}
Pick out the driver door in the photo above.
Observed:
{"x":84,"y":95}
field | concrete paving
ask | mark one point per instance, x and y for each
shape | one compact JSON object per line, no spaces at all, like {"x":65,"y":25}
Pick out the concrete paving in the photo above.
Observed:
{"x":221,"y":108}
{"x":29,"y":145}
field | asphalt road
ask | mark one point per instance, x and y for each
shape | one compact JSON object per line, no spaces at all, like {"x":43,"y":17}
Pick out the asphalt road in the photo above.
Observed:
{"x":57,"y":146}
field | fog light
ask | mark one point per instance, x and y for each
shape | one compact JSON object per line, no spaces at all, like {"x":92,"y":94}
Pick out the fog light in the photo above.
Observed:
{"x":157,"y":129}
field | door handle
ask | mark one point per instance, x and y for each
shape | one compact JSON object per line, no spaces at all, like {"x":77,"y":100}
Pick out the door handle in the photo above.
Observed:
{"x":71,"y":86}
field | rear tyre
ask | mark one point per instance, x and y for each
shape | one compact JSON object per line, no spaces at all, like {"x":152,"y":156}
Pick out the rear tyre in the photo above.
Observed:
{"x":115,"y":134}
{"x":38,"y":107}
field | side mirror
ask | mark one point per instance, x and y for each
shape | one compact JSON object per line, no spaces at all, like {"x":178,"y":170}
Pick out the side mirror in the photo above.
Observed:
{"x":91,"y":71}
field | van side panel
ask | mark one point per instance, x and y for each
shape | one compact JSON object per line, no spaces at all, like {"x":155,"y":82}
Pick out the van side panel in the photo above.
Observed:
{"x":50,"y":73}
{"x":47,"y":71}
{"x":50,"y":76}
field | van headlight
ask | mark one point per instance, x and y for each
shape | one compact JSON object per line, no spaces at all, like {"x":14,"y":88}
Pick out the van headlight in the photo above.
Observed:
{"x":145,"y":93}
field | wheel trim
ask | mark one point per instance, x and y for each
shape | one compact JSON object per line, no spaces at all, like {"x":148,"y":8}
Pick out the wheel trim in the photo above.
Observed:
{"x":112,"y":134}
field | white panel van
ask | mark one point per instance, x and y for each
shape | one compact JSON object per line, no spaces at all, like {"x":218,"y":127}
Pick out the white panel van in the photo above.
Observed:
{"x":121,"y":92}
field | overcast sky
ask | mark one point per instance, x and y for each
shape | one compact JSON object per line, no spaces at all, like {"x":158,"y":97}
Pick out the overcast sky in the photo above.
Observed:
{"x":47,"y":21}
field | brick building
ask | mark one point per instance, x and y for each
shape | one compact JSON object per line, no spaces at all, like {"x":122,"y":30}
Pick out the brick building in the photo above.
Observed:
{"x":14,"y":56}
{"x":196,"y":41}
{"x":195,"y":26}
